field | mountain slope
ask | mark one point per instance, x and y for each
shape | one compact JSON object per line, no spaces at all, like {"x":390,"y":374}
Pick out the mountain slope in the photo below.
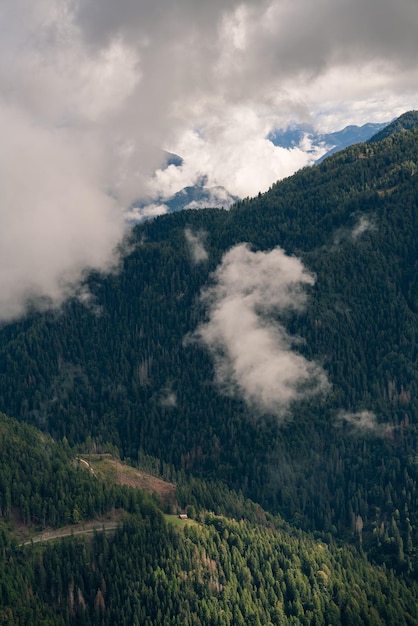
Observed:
{"x":196,"y":197}
{"x":130,"y":370}
{"x":338,"y":140}
{"x":407,"y":121}
{"x":201,"y":196}
{"x":215,"y":571}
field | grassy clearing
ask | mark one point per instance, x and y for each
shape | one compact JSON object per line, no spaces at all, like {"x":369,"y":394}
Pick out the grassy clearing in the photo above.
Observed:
{"x":176,"y":521}
{"x":101,"y":465}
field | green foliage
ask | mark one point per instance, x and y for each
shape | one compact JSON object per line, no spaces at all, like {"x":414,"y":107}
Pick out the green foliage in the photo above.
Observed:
{"x":222,"y":572}
{"x":405,"y":122}
{"x":102,"y":375}
{"x":42,"y":484}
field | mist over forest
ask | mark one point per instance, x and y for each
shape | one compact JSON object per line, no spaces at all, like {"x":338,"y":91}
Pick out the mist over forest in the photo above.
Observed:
{"x":254,"y":368}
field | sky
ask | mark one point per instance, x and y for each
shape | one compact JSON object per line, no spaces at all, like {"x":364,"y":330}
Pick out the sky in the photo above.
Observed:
{"x":92,"y":91}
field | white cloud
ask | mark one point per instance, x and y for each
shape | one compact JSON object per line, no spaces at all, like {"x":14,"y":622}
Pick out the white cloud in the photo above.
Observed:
{"x":254,"y":355}
{"x":196,"y":245}
{"x":366,"y":422}
{"x":90,"y":91}
{"x":232,"y":151}
{"x":168,"y":398}
{"x":213,"y":197}
{"x":55,"y":218}
{"x":363,"y":225}
{"x":140,"y":214}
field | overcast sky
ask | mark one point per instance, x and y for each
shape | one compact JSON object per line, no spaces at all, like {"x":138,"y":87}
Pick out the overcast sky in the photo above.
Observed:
{"x":91,"y":90}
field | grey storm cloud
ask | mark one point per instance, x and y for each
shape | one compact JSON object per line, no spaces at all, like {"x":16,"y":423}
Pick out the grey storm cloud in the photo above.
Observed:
{"x":91,"y":90}
{"x":277,"y":36}
{"x":254,"y":355}
{"x":199,"y":58}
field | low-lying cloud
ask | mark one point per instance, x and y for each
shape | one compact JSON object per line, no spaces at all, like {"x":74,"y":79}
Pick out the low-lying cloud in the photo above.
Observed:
{"x":56,"y":219}
{"x":354,"y":233}
{"x":254,"y":355}
{"x":196,"y":245}
{"x":366,"y":422}
{"x":143,"y":213}
{"x":168,"y":398}
{"x":363,"y":225}
{"x":91,"y":90}
{"x":235,"y":154}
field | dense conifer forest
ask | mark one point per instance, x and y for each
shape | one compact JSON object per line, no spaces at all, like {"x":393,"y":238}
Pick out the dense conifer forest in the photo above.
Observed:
{"x":304,"y":516}
{"x":216,"y":570}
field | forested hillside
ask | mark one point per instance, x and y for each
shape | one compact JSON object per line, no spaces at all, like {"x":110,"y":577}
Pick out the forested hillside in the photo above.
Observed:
{"x":152,"y":571}
{"x":131,"y":368}
{"x":41,"y":484}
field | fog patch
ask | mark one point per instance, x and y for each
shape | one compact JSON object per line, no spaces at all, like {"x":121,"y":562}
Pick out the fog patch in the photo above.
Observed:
{"x":140,"y":214}
{"x":365,"y":422}
{"x":196,"y":245}
{"x":254,"y":355}
{"x":363,"y":225}
{"x":168,"y":398}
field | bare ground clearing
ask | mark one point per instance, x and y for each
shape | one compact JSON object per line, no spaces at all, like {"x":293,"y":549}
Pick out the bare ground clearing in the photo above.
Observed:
{"x":107,"y":467}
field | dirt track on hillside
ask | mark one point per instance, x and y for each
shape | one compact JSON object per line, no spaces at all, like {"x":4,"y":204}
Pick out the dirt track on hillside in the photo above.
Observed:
{"x":84,"y":528}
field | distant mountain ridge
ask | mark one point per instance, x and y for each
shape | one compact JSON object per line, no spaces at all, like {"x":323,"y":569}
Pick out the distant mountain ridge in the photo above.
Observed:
{"x":292,"y":136}
{"x":127,"y":371}
{"x":131,"y":370}
{"x":201,"y":196}
{"x":198,"y":196}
